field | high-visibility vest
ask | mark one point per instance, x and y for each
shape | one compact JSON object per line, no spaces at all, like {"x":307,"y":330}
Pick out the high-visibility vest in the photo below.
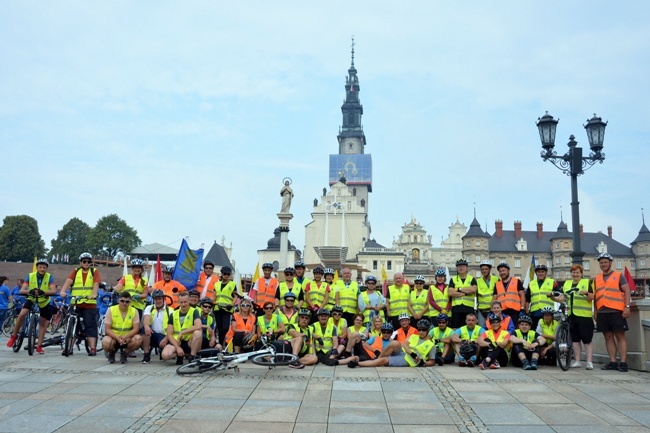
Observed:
{"x":608,"y":293}
{"x":208,"y":286}
{"x":501,"y":336}
{"x":79,"y":288}
{"x":171,"y":288}
{"x":207,"y":320}
{"x":272,"y":326}
{"x":538,"y":297}
{"x":248,"y":326}
{"x":485,"y":292}
{"x":140,"y":290}
{"x":530,"y":335}
{"x":307,"y":332}
{"x":293,"y":320}
{"x":466,"y":300}
{"x":466,"y":336}
{"x":316,"y":293}
{"x":188,"y":322}
{"x":122,"y":325}
{"x":509,"y":298}
{"x":367,"y":312}
{"x":266,"y":293}
{"x":420,"y":346}
{"x":331,"y":301}
{"x":403,"y":336}
{"x":505,"y":322}
{"x":284,"y":289}
{"x":582,"y":307}
{"x":224,"y":294}
{"x":324,"y":340}
{"x":348,"y":296}
{"x":441,"y":298}
{"x":340,"y":327}
{"x":437,"y":334}
{"x":165,"y":312}
{"x":377,"y":344}
{"x":43,"y":300}
{"x":398,"y":299}
{"x":419,"y":301}
{"x":549,"y":329}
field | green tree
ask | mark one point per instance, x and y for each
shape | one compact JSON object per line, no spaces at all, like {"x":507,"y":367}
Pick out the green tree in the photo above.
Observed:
{"x":112,"y":235}
{"x":20,"y":239}
{"x":72,"y":239}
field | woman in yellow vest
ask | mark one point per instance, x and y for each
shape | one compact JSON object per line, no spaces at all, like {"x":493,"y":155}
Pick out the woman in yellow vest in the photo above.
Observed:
{"x":375,"y":327}
{"x":417,"y":304}
{"x":494,"y":344}
{"x":135,"y":284}
{"x":582,"y":320}
{"x":270,"y":323}
{"x":225,"y":302}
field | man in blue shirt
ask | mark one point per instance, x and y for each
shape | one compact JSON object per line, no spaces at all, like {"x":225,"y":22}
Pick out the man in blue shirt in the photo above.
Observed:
{"x":5,"y":298}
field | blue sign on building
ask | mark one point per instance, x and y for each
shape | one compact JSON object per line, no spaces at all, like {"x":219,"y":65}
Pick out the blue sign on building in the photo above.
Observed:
{"x":357,"y":169}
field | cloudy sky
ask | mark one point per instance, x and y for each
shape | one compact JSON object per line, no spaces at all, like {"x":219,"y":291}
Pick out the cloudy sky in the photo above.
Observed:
{"x":184,"y":117}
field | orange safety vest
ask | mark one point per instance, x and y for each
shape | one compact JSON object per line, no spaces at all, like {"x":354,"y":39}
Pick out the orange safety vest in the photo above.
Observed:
{"x":608,"y":293}
{"x":168,"y":288}
{"x":509,"y":298}
{"x":266,"y":293}
{"x":402,"y":337}
{"x":377,"y":344}
{"x":249,"y":326}
{"x":505,"y":322}
{"x":209,"y":291}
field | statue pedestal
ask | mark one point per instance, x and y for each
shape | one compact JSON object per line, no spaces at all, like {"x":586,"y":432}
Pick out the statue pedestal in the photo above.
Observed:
{"x":284,"y":218}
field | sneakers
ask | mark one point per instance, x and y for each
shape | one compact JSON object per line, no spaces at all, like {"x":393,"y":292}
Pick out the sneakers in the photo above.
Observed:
{"x":610,"y":366}
{"x":622,"y":367}
{"x":146,"y":359}
{"x":576,"y":364}
{"x":11,"y":341}
{"x":132,"y":354}
{"x":590,"y":366}
{"x":483,"y":365}
{"x":471,"y":362}
{"x":296,"y":364}
{"x":462,"y":362}
{"x":93,"y":352}
{"x":352,"y":364}
{"x":111,"y":357}
{"x":525,"y":364}
{"x":533,"y":364}
{"x":123,"y":357}
{"x":440,"y":361}
{"x":40,"y":351}
{"x":495,"y":365}
{"x":179,"y":360}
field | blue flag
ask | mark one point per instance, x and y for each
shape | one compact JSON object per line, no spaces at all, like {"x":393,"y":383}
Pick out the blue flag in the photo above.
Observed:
{"x":188,"y":266}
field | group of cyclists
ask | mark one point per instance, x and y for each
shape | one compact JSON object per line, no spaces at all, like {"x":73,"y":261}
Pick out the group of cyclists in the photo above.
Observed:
{"x":489,"y":321}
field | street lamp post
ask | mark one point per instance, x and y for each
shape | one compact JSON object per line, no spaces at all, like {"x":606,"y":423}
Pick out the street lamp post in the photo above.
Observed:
{"x":573,"y":164}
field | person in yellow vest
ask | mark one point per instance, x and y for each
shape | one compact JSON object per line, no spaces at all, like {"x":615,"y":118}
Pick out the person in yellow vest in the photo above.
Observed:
{"x":39,"y":286}
{"x":546,"y":328}
{"x":582,"y":315}
{"x":270,"y":323}
{"x":242,"y":328}
{"x":326,"y":341}
{"x":317,"y":292}
{"x":208,"y":325}
{"x":195,"y":297}
{"x":494,"y":344}
{"x":465,"y":337}
{"x":485,"y":285}
{"x":122,"y":326}
{"x":136,"y":285}
{"x":224,"y":290}
{"x":418,"y":350}
{"x":287,"y":313}
{"x":289,"y":285}
{"x":85,"y":283}
{"x":264,"y":289}
{"x":371,"y":303}
{"x":329,"y":280}
{"x":171,"y":287}
{"x":340,"y":323}
{"x":417,"y":304}
{"x":300,"y":268}
{"x":207,"y":279}
{"x":397,"y":297}
{"x":441,"y":335}
{"x":439,"y":300}
{"x":183,"y":331}
{"x":526,"y":344}
{"x":612,"y":294}
{"x":539,"y":294}
{"x":462,"y":291}
{"x":347,"y":294}
{"x":302,"y":341}
{"x":510,"y":292}
{"x":155,"y":320}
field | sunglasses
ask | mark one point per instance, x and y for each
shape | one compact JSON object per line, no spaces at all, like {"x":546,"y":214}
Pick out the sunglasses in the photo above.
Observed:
{"x":337,"y":314}
{"x":209,"y":268}
{"x":269,"y":308}
{"x":85,"y":261}
{"x":386,"y":332}
{"x":224,"y":274}
{"x":423,"y":329}
{"x":124,"y":301}
{"x":246,"y":305}
{"x":419,"y":283}
{"x":289,"y":300}
{"x":288,"y":274}
{"x":206,"y":306}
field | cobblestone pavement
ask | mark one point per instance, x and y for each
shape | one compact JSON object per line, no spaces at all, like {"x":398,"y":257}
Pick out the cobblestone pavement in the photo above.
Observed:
{"x":51,"y":393}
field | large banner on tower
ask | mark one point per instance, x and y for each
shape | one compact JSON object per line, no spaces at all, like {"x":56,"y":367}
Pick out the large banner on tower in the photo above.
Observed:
{"x":357,"y":169}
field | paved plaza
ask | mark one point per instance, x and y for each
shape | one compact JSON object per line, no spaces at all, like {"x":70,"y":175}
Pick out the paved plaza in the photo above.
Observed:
{"x":53,"y":394}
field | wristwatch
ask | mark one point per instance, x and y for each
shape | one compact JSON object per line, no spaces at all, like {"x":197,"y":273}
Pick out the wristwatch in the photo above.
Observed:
{"x":627,"y":306}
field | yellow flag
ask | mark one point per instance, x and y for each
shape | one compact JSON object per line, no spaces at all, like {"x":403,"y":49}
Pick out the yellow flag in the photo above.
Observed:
{"x":34,"y":266}
{"x":256,"y":275}
{"x":384,"y":277}
{"x":336,"y":276}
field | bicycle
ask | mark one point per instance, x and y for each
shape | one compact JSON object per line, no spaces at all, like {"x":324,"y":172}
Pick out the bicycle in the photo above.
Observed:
{"x":75,"y":331}
{"x":212,"y":359}
{"x":563,"y":342}
{"x":30,"y":326}
{"x":10,"y":320}
{"x":59,"y":319}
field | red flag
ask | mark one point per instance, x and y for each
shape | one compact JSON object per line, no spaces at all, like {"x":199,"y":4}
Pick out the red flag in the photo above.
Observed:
{"x":158,"y":270}
{"x":630,"y":281}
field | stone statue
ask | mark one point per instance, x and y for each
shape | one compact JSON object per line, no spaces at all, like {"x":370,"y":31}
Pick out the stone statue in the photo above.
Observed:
{"x":287,"y":195}
{"x":324,"y":192}
{"x":363,"y":202}
{"x":315,"y":202}
{"x":354,"y":192}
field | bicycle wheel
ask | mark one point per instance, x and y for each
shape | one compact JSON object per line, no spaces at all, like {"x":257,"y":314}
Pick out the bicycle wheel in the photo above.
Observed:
{"x":196,"y":367}
{"x":563,"y":346}
{"x":31,"y":333}
{"x":8,"y":325}
{"x":19,"y":338}
{"x":68,"y":344}
{"x":279,"y":359}
{"x":56,"y":322}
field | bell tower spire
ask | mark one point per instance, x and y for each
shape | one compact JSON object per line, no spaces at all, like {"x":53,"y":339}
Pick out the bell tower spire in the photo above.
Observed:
{"x":351,"y":137}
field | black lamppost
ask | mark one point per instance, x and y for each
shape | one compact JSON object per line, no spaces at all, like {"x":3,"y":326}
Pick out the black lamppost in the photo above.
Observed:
{"x":573,"y":164}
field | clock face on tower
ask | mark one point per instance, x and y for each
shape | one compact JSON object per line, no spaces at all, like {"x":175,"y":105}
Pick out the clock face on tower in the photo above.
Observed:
{"x":350,"y":145}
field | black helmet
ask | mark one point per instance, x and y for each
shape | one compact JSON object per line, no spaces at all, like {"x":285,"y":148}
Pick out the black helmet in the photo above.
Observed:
{"x":299,"y":264}
{"x":267,"y":265}
{"x":440,"y":272}
{"x":289,"y":270}
{"x":371,"y":278}
{"x":318,"y":270}
{"x":467,"y":350}
{"x":208,"y":262}
{"x":442,"y":317}
{"x":157,"y":294}
{"x":248,"y":341}
{"x":304,"y":312}
{"x":525,"y":318}
{"x":226,"y":270}
{"x":337,"y":309}
{"x":503,"y":265}
{"x":194,"y":292}
{"x":541,"y":267}
{"x":460,"y":262}
{"x":547,"y":310}
{"x":493,"y":318}
{"x":323,"y":311}
{"x":423,"y":324}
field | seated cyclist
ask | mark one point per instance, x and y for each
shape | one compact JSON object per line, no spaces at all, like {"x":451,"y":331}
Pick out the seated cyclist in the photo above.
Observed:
{"x":183,"y":331}
{"x":494,"y":344}
{"x":208,"y":325}
{"x":302,"y":341}
{"x":465,"y":337}
{"x":441,"y":336}
{"x":526,"y":344}
{"x":122,"y":329}
{"x":155,"y":320}
{"x":326,"y":341}
{"x":418,"y":351}
{"x":546,"y":328}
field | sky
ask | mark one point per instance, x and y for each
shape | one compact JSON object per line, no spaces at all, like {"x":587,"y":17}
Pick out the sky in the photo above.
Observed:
{"x":184,"y":117}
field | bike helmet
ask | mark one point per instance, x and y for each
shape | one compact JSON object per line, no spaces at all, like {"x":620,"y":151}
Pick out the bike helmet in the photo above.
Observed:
{"x":304,"y":312}
{"x":605,"y":256}
{"x":503,"y":265}
{"x":404,"y":316}
{"x":168,"y":269}
{"x":299,"y":264}
{"x":371,"y":278}
{"x":157,"y":294}
{"x":323,"y":311}
{"x":467,"y":350}
{"x":194,"y":292}
{"x":461,"y":262}
{"x":267,"y":265}
{"x":423,"y":324}
{"x":42,"y":262}
{"x":442,"y":317}
{"x":248,"y":342}
{"x":289,"y":295}
{"x":207,"y":301}
{"x":329,"y":271}
{"x":487,"y":263}
{"x":525,"y":318}
{"x":137,"y":262}
{"x":541,"y":267}
{"x":547,"y":310}
{"x":85,"y":256}
{"x":494,"y":318}
{"x":318,"y":270}
{"x":226,"y":270}
{"x":386,"y":327}
{"x":419,"y":278}
{"x":337,"y":309}
{"x":289,"y":270}
{"x":440,"y":272}
{"x":208,"y":262}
